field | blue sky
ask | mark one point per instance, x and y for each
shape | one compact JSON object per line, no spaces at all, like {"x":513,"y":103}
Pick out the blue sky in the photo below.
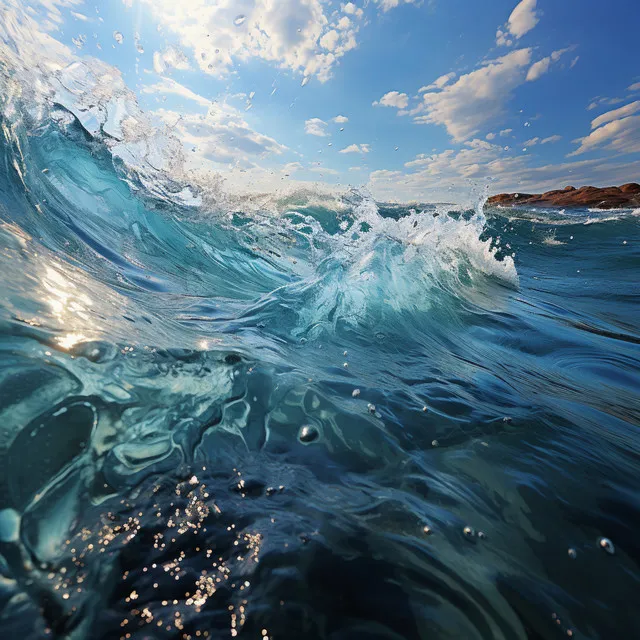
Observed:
{"x":416,"y":100}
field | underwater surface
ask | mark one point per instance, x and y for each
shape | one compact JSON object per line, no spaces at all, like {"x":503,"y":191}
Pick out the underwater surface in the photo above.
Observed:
{"x":305,"y":416}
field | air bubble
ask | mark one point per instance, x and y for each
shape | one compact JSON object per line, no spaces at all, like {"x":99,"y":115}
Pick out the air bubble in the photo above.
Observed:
{"x":606,"y":545}
{"x":308,"y":433}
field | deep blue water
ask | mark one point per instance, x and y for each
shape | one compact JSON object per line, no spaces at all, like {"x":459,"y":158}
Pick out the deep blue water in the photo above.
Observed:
{"x":318,"y":417}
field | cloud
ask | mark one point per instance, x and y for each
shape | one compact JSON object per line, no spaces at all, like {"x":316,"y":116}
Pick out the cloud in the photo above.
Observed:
{"x":634,"y":87}
{"x":292,"y":167}
{"x":315,"y":127}
{"x":617,"y":130}
{"x":356,"y":148}
{"x":535,"y":141}
{"x":476,"y":98}
{"x":598,"y":101}
{"x":439,"y":82}
{"x":627,"y":110}
{"x":457,"y":173}
{"x":168,"y":85}
{"x":170,"y":58}
{"x":522,"y":20}
{"x":541,"y":67}
{"x":221,"y":136}
{"x":386,"y":5}
{"x":352,"y":10}
{"x":301,"y":36}
{"x":340,"y":119}
{"x":505,"y":132}
{"x":490,"y":136}
{"x":393,"y":99}
{"x":574,"y":62}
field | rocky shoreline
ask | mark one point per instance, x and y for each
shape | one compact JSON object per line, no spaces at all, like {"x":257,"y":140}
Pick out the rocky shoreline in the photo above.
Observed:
{"x":627,"y":195}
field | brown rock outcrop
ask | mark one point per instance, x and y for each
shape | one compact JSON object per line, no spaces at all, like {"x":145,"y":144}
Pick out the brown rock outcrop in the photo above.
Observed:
{"x":627,"y":195}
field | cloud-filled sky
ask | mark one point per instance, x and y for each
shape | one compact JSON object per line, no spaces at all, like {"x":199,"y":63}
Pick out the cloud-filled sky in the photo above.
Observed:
{"x":413,"y":99}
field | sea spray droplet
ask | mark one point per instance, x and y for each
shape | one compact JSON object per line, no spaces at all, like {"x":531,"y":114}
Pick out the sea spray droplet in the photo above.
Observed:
{"x":572,"y":554}
{"x":606,"y":545}
{"x":308,"y":433}
{"x":427,"y":530}
{"x":468,"y":532}
{"x":355,"y":393}
{"x":118,"y":37}
{"x":239,"y":20}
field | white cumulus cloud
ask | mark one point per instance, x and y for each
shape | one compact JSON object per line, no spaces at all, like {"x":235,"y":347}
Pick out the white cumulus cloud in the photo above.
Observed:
{"x":541,"y":67}
{"x":439,"y":82}
{"x":393,"y":99}
{"x":356,"y":148}
{"x":476,"y":98}
{"x":302,"y":36}
{"x":341,"y":119}
{"x":315,"y":127}
{"x":386,"y":5}
{"x":522,"y":20}
{"x":617,"y":131}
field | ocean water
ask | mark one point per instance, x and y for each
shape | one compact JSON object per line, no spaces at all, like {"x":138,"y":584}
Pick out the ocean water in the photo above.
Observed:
{"x":304,"y":416}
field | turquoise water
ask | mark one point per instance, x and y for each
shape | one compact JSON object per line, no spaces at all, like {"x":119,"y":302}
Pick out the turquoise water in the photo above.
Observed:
{"x":319,"y":417}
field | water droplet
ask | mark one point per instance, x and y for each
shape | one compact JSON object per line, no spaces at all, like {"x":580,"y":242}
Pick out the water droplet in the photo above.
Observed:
{"x":435,"y":443}
{"x":305,"y":81}
{"x":346,"y":365}
{"x":570,"y":237}
{"x":482,"y":535}
{"x":371,"y":408}
{"x":239,"y":20}
{"x":344,"y":353}
{"x":507,"y":420}
{"x":606,"y":545}
{"x":355,"y":393}
{"x":308,"y":433}
{"x":527,"y":124}
{"x":396,"y":148}
{"x":624,"y":242}
{"x":118,"y":37}
{"x":341,"y":128}
{"x":572,"y":553}
{"x":425,"y":408}
{"x":469,"y":532}
{"x":427,"y":530}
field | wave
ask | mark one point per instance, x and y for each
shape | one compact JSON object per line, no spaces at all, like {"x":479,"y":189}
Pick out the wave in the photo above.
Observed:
{"x":218,"y":404}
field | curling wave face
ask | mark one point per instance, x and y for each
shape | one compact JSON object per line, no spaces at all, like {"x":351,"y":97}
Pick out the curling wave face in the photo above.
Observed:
{"x":303,"y":413}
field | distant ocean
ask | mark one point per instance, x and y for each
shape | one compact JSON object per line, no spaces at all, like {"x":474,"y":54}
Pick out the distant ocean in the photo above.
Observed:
{"x":305,"y":416}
